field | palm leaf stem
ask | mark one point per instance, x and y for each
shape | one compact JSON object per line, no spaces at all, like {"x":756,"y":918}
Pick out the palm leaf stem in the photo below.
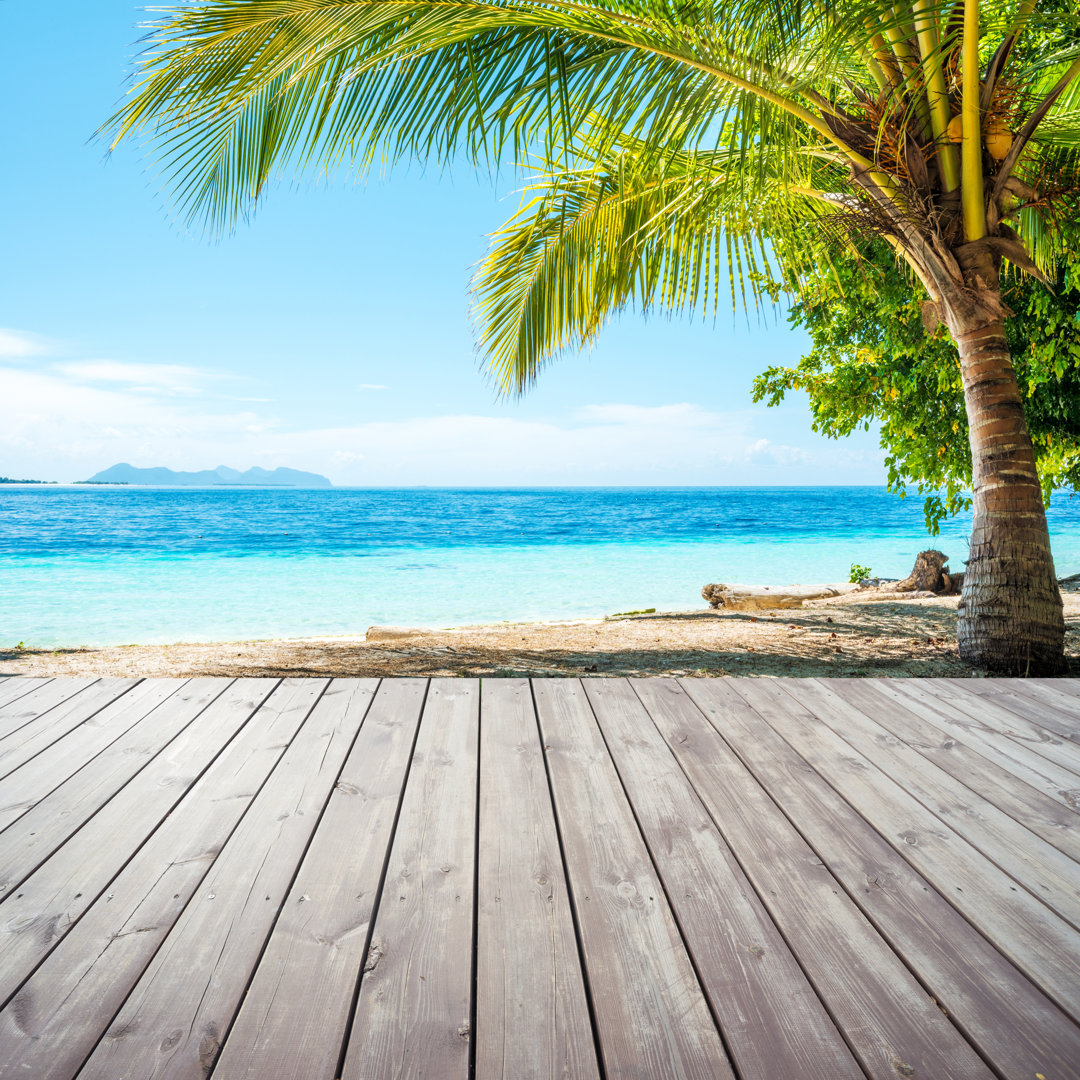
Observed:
{"x":937,"y":93}
{"x":971,"y":185}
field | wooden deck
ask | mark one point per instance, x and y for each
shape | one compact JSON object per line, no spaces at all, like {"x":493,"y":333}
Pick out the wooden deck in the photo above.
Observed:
{"x":778,"y":880}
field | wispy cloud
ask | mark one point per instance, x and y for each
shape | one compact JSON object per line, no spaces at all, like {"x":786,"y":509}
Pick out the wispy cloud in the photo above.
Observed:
{"x":174,"y":379}
{"x":763,"y":451}
{"x":68,"y":421}
{"x":18,"y":343}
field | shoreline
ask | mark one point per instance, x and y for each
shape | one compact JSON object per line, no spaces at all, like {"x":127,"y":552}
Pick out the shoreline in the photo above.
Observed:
{"x":856,"y":635}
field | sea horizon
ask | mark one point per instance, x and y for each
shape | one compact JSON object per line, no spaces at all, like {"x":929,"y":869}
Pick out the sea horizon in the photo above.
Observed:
{"x":134,"y":564}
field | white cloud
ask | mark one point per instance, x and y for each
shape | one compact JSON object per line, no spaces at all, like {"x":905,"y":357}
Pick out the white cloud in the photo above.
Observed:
{"x":764,"y":451}
{"x":172,"y":379}
{"x":69,"y":422}
{"x":16,"y":343}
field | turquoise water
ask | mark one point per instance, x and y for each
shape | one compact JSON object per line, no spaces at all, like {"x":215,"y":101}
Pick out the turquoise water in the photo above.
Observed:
{"x":155,"y":565}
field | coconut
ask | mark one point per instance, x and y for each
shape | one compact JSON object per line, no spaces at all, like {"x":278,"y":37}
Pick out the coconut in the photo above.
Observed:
{"x":997,"y":137}
{"x":955,"y":131}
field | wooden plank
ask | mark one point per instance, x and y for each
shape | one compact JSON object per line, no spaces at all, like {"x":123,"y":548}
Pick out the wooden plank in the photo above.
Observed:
{"x":72,"y":763}
{"x":892,"y":1025}
{"x":1043,"y":815}
{"x":773,"y":1022}
{"x":532,"y":1015}
{"x":181,"y":1008}
{"x":63,"y":718}
{"x":14,"y":687}
{"x":295,"y":1014}
{"x":651,"y":1015}
{"x":1039,"y":942}
{"x":1059,"y":784}
{"x":53,"y":1022}
{"x":19,"y":712}
{"x":413,"y":1015}
{"x":1014,"y":1025}
{"x":1046,"y":706}
{"x":1030,"y":861}
{"x":39,"y":911}
{"x":154,"y":717}
{"x":987,"y":711}
{"x":413,"y":1012}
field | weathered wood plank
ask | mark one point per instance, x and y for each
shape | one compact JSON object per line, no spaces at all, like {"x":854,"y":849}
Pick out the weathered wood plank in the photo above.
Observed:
{"x":14,"y":687}
{"x":532,"y":1016}
{"x":1034,"y":769}
{"x":413,"y":1015}
{"x":1014,"y":1025}
{"x":176,"y":1016}
{"x":95,"y":759}
{"x":1041,"y":943}
{"x":1048,"y":708}
{"x":53,"y":726}
{"x":295,"y":1014}
{"x":651,"y":1015}
{"x":1030,"y":861}
{"x":773,"y":1022}
{"x":1045,"y":816}
{"x":39,"y":911}
{"x":888,"y":1019}
{"x":48,"y":1029}
{"x":44,"y":694}
{"x":43,"y":716}
{"x":987,"y":711}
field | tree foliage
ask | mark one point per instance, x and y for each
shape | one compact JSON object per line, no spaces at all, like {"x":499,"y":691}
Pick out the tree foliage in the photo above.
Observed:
{"x":872,"y":360}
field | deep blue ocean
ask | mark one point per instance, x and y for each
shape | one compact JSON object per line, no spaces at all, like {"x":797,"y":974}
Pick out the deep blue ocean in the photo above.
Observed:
{"x":89,"y":565}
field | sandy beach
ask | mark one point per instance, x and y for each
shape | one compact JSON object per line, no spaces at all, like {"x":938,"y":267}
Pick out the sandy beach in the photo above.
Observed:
{"x":859,"y":635}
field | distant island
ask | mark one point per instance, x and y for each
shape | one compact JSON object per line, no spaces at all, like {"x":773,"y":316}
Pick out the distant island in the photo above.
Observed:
{"x":12,"y":480}
{"x":222,"y":476}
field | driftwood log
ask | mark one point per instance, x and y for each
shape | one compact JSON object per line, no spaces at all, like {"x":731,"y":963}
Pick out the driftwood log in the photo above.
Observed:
{"x":759,"y":597}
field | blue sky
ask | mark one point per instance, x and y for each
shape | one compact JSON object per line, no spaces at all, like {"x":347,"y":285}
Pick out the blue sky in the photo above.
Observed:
{"x":331,"y":333}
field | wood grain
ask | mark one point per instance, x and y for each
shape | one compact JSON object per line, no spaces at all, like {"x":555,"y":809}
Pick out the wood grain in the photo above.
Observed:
{"x":532,"y":1016}
{"x":651,"y":1015}
{"x":1050,"y":709}
{"x":1043,"y":814}
{"x":1031,"y":767}
{"x":888,"y":1019}
{"x":13,"y":687}
{"x":295,"y":1014}
{"x":37,"y":912}
{"x":19,"y":709}
{"x":773,"y":1022}
{"x":1032,"y":862}
{"x":48,"y":727}
{"x":202,"y":968}
{"x":1041,"y":943}
{"x":996,"y":1007}
{"x":413,"y":1015}
{"x":49,"y":1028}
{"x":986,"y":710}
{"x":79,"y":773}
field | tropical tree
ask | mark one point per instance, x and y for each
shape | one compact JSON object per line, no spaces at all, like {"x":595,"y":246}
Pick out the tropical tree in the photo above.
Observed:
{"x":871,"y":361}
{"x":672,"y":138}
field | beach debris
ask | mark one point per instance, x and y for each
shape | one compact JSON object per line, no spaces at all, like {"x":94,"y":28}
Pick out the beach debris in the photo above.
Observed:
{"x":928,"y":574}
{"x":393,"y":633}
{"x":756,"y":597}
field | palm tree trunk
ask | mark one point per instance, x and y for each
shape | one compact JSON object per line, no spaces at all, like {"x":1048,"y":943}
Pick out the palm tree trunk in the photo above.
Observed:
{"x":1010,"y":616}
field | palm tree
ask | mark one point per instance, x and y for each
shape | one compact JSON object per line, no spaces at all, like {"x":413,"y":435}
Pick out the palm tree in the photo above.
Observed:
{"x":672,"y":141}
